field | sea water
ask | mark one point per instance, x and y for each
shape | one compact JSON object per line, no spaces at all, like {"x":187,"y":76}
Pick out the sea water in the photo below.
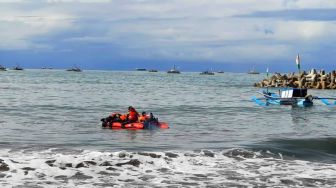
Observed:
{"x":51,"y":134}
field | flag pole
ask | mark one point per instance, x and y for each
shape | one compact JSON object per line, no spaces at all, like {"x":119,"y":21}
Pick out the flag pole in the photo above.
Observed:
{"x":298,"y":63}
{"x":267,"y":78}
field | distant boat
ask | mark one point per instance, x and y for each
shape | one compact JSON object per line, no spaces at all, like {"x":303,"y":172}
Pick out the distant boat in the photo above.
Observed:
{"x":253,"y":72}
{"x":17,"y":67}
{"x":220,"y":72}
{"x":207,"y":73}
{"x":46,"y":68}
{"x":75,"y":69}
{"x":152,"y":70}
{"x":140,"y":69}
{"x":2,"y":68}
{"x":174,"y":71}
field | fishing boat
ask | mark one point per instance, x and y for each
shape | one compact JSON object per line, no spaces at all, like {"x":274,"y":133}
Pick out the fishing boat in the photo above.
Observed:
{"x":2,"y":68}
{"x":17,"y":67}
{"x":46,"y":68}
{"x":290,"y":96}
{"x":174,"y":71}
{"x":253,"y":71}
{"x":75,"y":69}
{"x":207,"y":73}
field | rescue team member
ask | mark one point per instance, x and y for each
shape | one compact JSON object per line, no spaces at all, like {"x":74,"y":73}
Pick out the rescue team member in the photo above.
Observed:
{"x":114,"y":117}
{"x":144,"y":116}
{"x":131,"y":117}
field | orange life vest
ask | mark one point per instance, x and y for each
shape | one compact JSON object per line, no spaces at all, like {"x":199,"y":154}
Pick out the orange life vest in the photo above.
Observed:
{"x":143,"y":118}
{"x":123,"y":117}
{"x":133,"y":116}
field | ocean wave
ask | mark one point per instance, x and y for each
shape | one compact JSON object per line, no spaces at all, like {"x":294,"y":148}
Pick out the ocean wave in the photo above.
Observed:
{"x":234,"y":167}
{"x":311,"y":149}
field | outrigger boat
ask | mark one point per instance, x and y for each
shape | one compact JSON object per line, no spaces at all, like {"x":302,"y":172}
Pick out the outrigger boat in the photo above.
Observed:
{"x":290,"y":96}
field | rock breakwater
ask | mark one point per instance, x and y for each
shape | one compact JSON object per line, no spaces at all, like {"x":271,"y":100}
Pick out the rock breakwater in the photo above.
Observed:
{"x":312,"y":80}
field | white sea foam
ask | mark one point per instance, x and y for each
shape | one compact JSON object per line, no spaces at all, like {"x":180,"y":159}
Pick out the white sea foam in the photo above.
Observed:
{"x":235,"y":167}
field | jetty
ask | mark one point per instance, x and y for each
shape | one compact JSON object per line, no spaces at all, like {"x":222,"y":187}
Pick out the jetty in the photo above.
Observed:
{"x":312,"y":80}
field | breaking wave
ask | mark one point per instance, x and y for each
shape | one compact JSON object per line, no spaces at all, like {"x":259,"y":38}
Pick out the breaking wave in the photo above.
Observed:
{"x":228,"y":168}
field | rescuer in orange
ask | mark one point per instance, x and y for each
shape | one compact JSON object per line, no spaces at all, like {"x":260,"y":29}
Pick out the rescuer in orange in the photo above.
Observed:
{"x":133,"y":115}
{"x":144,"y":116}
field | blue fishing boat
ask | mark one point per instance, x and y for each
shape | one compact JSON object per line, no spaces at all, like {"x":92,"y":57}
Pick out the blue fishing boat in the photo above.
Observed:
{"x":290,"y":96}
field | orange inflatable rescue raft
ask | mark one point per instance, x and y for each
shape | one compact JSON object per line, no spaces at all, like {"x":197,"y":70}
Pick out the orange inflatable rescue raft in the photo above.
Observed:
{"x":119,"y":121}
{"x":138,"y":125}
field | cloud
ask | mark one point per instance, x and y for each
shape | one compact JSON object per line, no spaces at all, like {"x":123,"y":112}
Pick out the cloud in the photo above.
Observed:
{"x":11,"y":1}
{"x":77,"y":1}
{"x":179,"y":30}
{"x":18,"y":27}
{"x":297,"y":14}
{"x":309,"y":4}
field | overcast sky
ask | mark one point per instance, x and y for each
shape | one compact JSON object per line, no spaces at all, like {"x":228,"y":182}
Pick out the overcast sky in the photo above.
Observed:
{"x":231,"y":35}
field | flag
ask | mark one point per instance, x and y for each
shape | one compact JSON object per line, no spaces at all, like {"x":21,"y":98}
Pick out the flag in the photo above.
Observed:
{"x":298,"y":61}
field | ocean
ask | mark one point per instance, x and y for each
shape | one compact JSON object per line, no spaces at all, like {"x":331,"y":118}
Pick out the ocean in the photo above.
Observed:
{"x":51,"y":134}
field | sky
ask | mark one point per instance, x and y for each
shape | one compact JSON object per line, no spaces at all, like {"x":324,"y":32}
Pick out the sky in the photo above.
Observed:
{"x":195,"y":35}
